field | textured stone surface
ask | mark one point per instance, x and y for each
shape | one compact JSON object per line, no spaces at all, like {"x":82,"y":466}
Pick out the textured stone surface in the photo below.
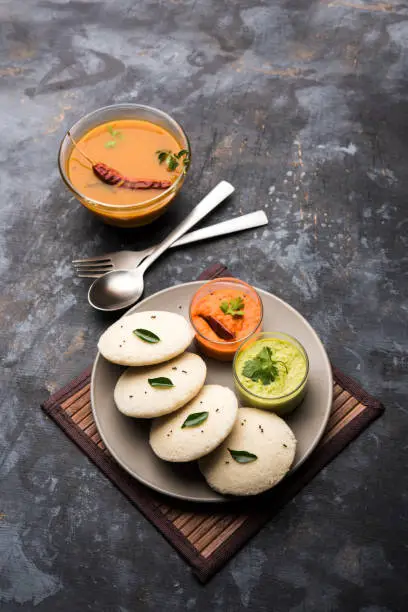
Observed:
{"x":303,"y":106}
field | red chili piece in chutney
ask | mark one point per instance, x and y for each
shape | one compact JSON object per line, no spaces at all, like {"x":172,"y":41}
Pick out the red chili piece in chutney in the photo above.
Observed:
{"x":208,"y":307}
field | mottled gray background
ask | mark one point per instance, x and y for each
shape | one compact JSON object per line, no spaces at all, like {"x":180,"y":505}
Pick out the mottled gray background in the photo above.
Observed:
{"x":303,"y":106}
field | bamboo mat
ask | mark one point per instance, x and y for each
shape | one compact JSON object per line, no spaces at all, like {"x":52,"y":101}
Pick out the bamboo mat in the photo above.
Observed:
{"x":207,"y":536}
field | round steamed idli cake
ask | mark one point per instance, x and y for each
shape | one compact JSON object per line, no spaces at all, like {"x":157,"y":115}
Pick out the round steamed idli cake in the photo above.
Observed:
{"x":119,"y":344}
{"x":135,"y":397}
{"x":260,"y":433}
{"x":172,"y":442}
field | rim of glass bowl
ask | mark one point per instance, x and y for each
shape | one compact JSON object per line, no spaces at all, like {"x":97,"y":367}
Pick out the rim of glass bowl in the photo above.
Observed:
{"x":145,"y":203}
{"x":294,"y":341}
{"x":228,"y":342}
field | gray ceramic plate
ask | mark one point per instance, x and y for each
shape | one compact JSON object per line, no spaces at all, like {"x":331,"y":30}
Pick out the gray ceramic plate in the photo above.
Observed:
{"x":128,"y":439}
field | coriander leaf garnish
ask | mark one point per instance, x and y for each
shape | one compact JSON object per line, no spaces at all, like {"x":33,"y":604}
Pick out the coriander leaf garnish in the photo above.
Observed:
{"x":263,"y":367}
{"x":196,"y":418}
{"x":162,"y":155}
{"x":113,"y":132}
{"x":186,"y":161}
{"x":242,"y":456}
{"x":115,"y":135}
{"x":234,"y":307}
{"x":172,"y":160}
{"x":160,"y":381}
{"x":172,"y":163}
{"x":146,"y":335}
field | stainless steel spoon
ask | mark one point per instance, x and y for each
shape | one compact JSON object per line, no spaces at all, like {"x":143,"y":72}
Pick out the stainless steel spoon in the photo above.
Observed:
{"x":122,"y":288}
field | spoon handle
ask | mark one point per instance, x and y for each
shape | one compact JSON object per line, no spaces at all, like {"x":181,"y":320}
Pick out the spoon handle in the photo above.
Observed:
{"x":207,"y":204}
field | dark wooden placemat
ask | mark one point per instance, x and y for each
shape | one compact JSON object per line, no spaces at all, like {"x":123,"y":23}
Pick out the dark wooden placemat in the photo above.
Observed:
{"x":207,"y":536}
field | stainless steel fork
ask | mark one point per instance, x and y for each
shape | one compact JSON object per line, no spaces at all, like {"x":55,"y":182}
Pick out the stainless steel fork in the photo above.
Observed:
{"x":94,"y":267}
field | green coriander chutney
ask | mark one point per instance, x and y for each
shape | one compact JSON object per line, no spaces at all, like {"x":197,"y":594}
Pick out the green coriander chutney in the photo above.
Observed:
{"x":270,"y":371}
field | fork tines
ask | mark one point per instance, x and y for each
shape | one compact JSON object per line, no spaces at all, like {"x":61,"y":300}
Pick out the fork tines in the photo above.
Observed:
{"x":92,"y":267}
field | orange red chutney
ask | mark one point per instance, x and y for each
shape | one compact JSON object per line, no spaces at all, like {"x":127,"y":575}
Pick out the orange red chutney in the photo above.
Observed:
{"x":224,"y":312}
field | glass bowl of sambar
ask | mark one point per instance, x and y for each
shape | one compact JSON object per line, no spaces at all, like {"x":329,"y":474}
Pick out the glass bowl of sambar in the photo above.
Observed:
{"x":125,"y":162}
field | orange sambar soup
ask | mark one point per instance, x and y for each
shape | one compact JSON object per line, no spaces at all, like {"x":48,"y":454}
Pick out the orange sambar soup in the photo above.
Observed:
{"x":129,"y":146}
{"x":211,"y":305}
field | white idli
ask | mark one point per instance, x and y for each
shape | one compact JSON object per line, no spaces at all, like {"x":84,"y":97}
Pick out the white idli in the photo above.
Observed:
{"x":260,"y":433}
{"x":135,"y":397}
{"x":119,"y":344}
{"x":171,"y":442}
